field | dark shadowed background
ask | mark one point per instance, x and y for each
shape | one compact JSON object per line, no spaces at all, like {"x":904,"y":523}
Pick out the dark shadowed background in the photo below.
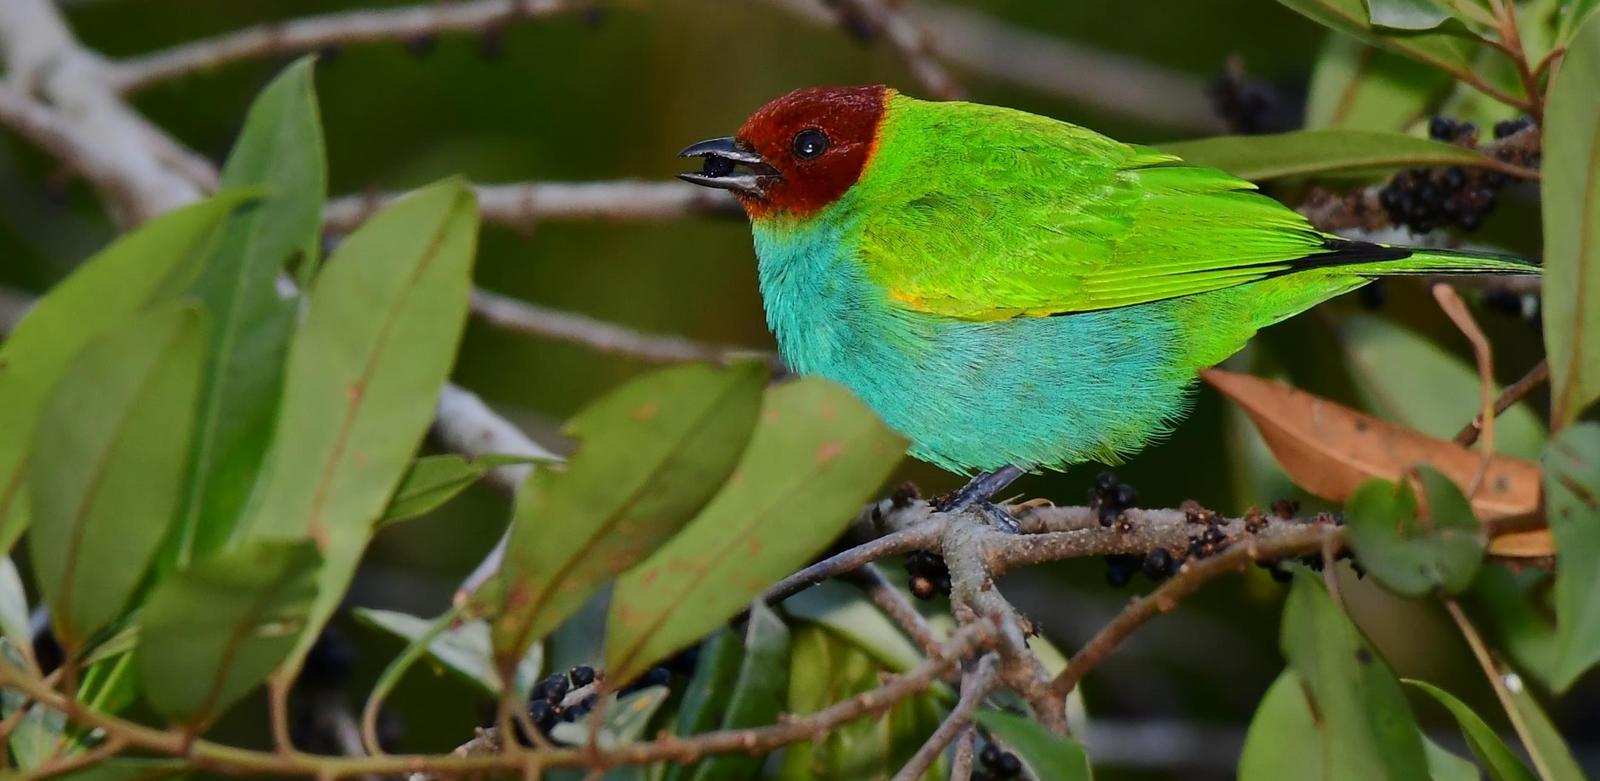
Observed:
{"x":614,"y":94}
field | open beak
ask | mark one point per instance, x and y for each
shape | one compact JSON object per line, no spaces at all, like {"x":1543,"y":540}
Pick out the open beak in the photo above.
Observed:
{"x":729,"y":165}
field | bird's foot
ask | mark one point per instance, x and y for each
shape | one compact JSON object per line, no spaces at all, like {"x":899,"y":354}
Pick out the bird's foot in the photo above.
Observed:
{"x":1000,"y":519}
{"x":980,"y":490}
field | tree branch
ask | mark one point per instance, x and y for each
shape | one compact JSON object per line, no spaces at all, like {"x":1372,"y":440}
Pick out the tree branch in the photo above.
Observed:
{"x":521,"y":317}
{"x":524,"y":204}
{"x":317,"y":32}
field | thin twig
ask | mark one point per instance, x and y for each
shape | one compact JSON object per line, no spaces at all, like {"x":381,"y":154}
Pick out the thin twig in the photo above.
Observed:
{"x":212,"y":756}
{"x":1107,"y":81}
{"x":318,"y":32}
{"x":524,"y":204}
{"x":975,"y":686}
{"x":521,"y":317}
{"x":1513,"y":393}
{"x":895,"y":605}
{"x":1497,"y":681}
{"x":1453,"y":306}
{"x":1308,"y":539}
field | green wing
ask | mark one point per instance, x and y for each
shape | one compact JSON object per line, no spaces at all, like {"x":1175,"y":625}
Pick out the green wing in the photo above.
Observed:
{"x":983,"y":213}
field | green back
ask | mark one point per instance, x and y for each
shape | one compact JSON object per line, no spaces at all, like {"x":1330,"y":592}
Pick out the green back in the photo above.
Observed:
{"x":985,"y":213}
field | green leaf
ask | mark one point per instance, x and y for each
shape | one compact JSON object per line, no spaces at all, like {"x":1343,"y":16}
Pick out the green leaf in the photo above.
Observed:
{"x":108,"y":469}
{"x":1370,"y":731}
{"x":825,"y":669}
{"x":433,"y":480}
{"x":212,"y":632}
{"x":110,"y":685}
{"x":35,"y":737}
{"x":1446,"y":765}
{"x":1551,"y":757}
{"x":1570,"y":190}
{"x":280,"y":151}
{"x":1406,"y":14}
{"x":14,"y":625}
{"x":1450,"y":53}
{"x":850,"y":615}
{"x":1513,"y":610}
{"x":705,"y":699}
{"x":716,"y":674}
{"x":1435,"y":394}
{"x":1050,"y":756}
{"x":814,"y":459}
{"x":1358,"y":87}
{"x":364,"y":374}
{"x":758,"y":696}
{"x":1285,"y":740}
{"x":1572,"y":497}
{"x":1412,"y":550}
{"x":153,"y":263}
{"x":1573,"y":13}
{"x":1486,"y":745}
{"x":1306,"y":152}
{"x":461,"y":646}
{"x":651,"y":454}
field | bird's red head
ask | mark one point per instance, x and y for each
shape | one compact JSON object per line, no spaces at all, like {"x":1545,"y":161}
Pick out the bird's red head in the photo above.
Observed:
{"x":801,"y":151}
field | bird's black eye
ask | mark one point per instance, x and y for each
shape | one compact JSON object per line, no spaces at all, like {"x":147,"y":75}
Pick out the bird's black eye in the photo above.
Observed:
{"x":809,"y":144}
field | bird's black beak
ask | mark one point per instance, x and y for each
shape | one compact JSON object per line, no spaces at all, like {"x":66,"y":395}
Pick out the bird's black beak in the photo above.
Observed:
{"x":724,"y":158}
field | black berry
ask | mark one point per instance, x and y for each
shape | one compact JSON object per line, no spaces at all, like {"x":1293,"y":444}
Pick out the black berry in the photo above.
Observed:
{"x":582,"y":675}
{"x":1158,"y":564}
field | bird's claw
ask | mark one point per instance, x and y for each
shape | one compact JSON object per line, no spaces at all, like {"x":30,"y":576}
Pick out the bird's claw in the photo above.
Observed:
{"x":1000,"y":519}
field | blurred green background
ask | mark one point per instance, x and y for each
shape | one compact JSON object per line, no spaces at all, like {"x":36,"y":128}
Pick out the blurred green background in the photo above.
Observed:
{"x":614,"y":93}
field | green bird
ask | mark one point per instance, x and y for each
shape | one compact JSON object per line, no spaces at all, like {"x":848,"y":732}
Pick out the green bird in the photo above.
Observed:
{"x":1011,"y":292}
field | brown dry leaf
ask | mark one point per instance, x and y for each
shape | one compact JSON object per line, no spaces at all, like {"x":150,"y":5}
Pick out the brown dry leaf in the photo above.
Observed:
{"x":1329,"y":450}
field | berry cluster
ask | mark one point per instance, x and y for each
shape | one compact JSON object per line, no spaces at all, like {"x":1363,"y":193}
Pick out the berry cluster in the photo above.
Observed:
{"x":1423,"y":199}
{"x":929,"y":575}
{"x":996,"y":765}
{"x":1280,"y":569}
{"x":1109,"y":497}
{"x":547,"y":704}
{"x":1157,"y":565}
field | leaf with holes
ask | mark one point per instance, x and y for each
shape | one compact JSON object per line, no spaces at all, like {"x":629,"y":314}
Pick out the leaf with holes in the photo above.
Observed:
{"x":814,"y":459}
{"x":213,"y":631}
{"x":1308,"y":152}
{"x":152,"y":264}
{"x":363,"y":378}
{"x":651,"y":454}
{"x":1572,"y":489}
{"x":1415,"y":550}
{"x":109,"y":465}
{"x":1369,"y":727}
{"x":1570,"y":190}
{"x":280,"y":151}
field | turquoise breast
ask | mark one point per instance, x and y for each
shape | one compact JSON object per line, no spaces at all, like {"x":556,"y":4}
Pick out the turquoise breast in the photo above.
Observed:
{"x":1037,"y":392}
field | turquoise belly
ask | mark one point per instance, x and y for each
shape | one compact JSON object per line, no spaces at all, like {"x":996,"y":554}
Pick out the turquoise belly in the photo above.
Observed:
{"x":1044,"y":392}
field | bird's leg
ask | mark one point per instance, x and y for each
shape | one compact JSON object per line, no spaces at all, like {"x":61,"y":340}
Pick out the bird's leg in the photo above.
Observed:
{"x":980,"y":492}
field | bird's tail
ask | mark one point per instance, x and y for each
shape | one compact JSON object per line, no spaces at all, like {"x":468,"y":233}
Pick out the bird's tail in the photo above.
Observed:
{"x":1412,"y":260}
